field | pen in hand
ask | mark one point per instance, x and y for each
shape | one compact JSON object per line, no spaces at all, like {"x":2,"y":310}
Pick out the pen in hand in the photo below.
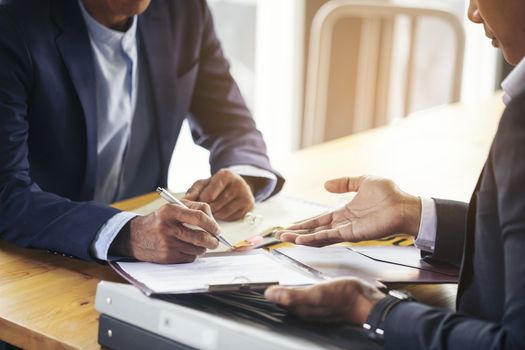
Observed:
{"x":174,"y":200}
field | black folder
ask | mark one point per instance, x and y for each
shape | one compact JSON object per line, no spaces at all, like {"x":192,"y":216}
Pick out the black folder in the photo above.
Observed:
{"x":119,"y":335}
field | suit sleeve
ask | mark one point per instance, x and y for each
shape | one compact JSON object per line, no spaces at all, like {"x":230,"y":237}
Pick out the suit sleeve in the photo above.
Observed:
{"x":450,"y":233}
{"x":416,"y":326}
{"x":29,"y":216}
{"x":219,"y":118}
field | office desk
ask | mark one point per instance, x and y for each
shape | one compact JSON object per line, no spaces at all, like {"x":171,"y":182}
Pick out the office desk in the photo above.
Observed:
{"x":46,"y":301}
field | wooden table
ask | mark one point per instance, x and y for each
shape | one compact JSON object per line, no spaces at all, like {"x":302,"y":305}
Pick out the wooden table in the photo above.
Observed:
{"x":46,"y":301}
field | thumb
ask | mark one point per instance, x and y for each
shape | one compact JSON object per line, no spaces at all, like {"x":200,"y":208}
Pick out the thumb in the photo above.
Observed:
{"x":344,"y":184}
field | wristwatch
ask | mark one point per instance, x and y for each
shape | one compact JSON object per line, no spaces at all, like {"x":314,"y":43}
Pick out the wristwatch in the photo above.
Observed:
{"x":374,"y":323}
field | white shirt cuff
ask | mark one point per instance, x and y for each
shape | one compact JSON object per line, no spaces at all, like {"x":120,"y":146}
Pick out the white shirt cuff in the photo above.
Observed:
{"x":107,"y":233}
{"x":249,"y":170}
{"x":426,"y":237}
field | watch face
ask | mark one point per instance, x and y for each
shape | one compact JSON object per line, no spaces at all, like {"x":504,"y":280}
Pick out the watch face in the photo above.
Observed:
{"x":399,"y":294}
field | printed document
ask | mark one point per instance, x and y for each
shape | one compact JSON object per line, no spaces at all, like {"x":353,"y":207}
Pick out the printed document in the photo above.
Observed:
{"x":255,"y":267}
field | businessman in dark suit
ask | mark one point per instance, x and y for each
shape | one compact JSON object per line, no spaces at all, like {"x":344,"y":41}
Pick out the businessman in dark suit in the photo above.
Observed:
{"x":92,"y":97}
{"x":486,"y":237}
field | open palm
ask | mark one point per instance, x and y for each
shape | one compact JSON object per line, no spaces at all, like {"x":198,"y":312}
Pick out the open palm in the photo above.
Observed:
{"x":378,"y":210}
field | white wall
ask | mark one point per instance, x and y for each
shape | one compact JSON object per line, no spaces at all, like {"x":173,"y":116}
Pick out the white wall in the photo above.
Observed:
{"x":279,"y":73}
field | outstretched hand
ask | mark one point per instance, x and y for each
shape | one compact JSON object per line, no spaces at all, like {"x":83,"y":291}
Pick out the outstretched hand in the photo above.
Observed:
{"x":378,"y":210}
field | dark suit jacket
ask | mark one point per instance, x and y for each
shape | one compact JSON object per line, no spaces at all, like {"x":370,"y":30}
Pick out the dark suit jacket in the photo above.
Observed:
{"x":48,"y":145}
{"x":491,"y":294}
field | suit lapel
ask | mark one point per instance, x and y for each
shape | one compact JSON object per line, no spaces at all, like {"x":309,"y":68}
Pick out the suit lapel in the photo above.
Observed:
{"x":74,"y":46}
{"x":156,"y":38}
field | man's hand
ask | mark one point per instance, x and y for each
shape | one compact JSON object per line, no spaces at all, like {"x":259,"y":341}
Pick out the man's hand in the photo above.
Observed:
{"x":339,"y":300}
{"x":378,"y":210}
{"x":229,"y":195}
{"x":160,"y":237}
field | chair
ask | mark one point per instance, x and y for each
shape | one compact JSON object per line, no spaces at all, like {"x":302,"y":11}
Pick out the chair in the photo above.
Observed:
{"x":374,"y":60}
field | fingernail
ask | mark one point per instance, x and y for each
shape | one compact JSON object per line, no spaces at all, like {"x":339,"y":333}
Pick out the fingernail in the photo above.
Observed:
{"x":271,"y":293}
{"x":278,"y":295}
{"x":256,"y":240}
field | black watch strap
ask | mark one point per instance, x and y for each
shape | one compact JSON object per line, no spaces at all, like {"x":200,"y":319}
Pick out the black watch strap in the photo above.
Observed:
{"x":374,"y":323}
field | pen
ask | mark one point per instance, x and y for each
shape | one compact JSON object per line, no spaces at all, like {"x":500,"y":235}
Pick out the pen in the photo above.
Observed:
{"x":168,"y":197}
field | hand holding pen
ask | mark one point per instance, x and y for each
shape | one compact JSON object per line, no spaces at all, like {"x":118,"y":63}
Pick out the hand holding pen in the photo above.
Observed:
{"x":174,"y":200}
{"x":172,"y":234}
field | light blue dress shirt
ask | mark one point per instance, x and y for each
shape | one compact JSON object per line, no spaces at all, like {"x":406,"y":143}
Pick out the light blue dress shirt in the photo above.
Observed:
{"x":122,"y":102}
{"x":116,"y":76}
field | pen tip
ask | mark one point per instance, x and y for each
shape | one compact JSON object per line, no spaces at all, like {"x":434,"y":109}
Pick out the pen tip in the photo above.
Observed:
{"x":159,"y":190}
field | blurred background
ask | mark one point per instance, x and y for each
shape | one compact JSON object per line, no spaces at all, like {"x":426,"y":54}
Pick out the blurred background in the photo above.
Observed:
{"x":376,"y":68}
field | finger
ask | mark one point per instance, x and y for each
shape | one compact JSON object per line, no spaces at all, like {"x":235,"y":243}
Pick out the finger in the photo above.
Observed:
{"x":218,"y":183}
{"x":198,"y":206}
{"x":332,"y":235}
{"x":322,"y":228}
{"x":238,"y":215}
{"x":344,"y":184}
{"x":285,"y":236}
{"x":278,"y":295}
{"x":320,"y":243}
{"x":293,"y":238}
{"x":195,"y":190}
{"x":234,"y":202}
{"x":175,"y":214}
{"x":186,"y":248}
{"x":290,"y":236}
{"x":294,"y":296}
{"x":238,"y":190}
{"x":321,"y":220}
{"x":196,"y":238}
{"x":235,"y":210}
{"x":225,"y":198}
{"x":295,"y":233}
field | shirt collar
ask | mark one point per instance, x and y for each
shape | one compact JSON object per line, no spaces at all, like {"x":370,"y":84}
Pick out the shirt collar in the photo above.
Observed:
{"x":102,"y":34}
{"x":514,"y":82}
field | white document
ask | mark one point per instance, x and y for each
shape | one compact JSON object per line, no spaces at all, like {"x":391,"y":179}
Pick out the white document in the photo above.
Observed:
{"x":152,"y":206}
{"x":278,"y":211}
{"x":255,"y":267}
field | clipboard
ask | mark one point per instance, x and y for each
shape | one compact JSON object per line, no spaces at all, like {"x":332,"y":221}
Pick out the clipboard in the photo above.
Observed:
{"x":216,"y":272}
